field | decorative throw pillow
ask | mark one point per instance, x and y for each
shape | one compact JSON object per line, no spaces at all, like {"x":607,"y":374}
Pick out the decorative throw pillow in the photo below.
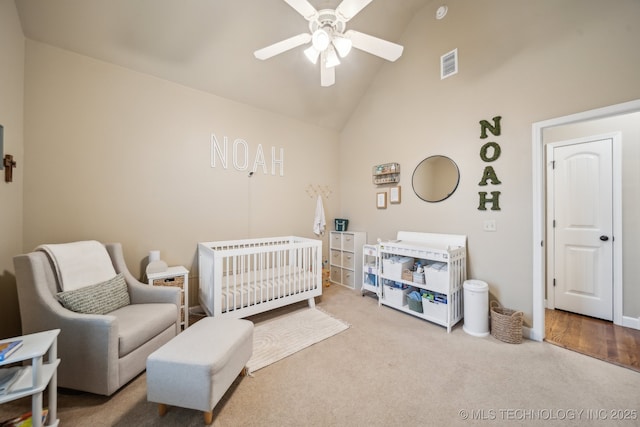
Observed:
{"x":101,"y":298}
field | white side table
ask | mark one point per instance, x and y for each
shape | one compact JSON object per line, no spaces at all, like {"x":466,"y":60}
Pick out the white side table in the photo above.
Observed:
{"x":37,"y":376}
{"x":177,"y":277}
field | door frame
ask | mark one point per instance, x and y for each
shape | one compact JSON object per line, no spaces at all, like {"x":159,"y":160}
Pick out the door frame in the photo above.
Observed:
{"x":616,"y":172}
{"x":538,"y":226}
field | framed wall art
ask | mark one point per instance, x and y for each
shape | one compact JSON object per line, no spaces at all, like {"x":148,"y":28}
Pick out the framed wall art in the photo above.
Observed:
{"x":381,"y":200}
{"x":395,"y":195}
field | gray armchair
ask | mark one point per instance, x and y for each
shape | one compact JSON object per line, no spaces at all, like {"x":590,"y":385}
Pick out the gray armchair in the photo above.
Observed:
{"x":98,"y":353}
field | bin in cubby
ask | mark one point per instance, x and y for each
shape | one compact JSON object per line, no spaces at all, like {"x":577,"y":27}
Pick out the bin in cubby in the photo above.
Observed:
{"x":437,"y":276}
{"x":415,"y":305}
{"x":395,"y":296}
{"x":370,"y":279}
{"x":393,"y":267}
{"x":435,"y":309}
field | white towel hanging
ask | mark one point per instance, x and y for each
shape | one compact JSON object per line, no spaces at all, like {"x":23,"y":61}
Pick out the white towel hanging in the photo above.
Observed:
{"x":319,"y":222}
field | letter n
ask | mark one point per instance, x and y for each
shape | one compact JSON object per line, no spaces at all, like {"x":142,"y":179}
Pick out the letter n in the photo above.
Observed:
{"x":495,"y":129}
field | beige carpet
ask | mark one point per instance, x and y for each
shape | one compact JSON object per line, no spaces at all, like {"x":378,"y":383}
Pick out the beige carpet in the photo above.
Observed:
{"x":275,"y":339}
{"x":389,"y":369}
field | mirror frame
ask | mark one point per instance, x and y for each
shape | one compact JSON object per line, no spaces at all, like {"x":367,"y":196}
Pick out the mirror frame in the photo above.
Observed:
{"x":454,"y":187}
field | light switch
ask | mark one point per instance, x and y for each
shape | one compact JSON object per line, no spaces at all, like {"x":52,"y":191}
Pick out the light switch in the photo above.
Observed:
{"x":490,"y":225}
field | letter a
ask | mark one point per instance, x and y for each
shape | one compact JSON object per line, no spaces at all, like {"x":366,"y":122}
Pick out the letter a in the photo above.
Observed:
{"x":489,"y":174}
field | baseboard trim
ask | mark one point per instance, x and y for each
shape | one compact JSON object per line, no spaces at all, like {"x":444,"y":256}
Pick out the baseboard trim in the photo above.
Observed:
{"x":631,"y":322}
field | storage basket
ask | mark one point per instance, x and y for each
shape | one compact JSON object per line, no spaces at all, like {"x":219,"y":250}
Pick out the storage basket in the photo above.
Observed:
{"x":506,"y":324}
{"x":177,"y":281}
{"x":407,"y":275}
{"x":341,"y":224}
{"x":415,"y":305}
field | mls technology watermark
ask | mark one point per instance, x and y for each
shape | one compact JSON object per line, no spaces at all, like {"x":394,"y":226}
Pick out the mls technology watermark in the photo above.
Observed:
{"x":548,"y":414}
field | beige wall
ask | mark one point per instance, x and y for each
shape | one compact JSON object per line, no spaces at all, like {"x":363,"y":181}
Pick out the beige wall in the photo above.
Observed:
{"x":524,"y":61}
{"x":117,"y":155}
{"x":11,"y":103}
{"x":629,"y":127}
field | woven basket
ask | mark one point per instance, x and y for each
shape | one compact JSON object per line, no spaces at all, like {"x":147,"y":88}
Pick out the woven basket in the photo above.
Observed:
{"x":506,"y":324}
{"x":407,"y":275}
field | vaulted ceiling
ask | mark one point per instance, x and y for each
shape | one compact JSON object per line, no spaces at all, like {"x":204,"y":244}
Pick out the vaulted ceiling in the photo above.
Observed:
{"x":208,"y":45}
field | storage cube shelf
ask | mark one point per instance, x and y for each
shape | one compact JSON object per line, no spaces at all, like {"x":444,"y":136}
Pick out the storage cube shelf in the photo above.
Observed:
{"x":345,"y":249}
{"x":443,"y":258}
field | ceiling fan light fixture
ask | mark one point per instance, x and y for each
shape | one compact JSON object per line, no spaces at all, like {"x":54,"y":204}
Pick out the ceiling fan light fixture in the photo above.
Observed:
{"x":332,"y":58}
{"x":312,"y":54}
{"x":330,"y":40}
{"x":343,"y":45}
{"x":320,"y":39}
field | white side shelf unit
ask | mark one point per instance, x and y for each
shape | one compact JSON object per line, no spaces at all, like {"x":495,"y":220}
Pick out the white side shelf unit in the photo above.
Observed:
{"x":443,"y":258}
{"x":370,"y":280}
{"x":345,"y":255}
{"x":177,"y":277}
{"x":34,"y":379}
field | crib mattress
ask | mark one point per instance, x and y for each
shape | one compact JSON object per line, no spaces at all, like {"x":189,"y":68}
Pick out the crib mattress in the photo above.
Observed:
{"x":240,"y":292}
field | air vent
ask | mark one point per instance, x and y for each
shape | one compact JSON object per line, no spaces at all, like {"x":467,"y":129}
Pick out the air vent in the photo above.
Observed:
{"x":449,"y":64}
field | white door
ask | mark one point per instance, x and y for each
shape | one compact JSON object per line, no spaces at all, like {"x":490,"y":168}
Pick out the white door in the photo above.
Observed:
{"x":581,"y":210}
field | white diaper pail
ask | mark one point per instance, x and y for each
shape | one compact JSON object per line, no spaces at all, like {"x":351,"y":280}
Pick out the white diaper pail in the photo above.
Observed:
{"x":476,"y":308}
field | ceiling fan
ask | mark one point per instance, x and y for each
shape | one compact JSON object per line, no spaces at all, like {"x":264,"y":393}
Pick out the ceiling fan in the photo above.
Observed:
{"x":329,"y":39}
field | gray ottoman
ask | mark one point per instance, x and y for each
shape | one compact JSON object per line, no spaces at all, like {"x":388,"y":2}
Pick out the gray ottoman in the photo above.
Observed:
{"x":196,"y":368}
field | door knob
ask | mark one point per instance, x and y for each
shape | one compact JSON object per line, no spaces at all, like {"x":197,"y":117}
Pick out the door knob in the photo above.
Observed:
{"x":604,"y":238}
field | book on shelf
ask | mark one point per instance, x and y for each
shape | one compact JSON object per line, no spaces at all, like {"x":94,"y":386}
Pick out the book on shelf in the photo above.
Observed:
{"x":8,"y":377}
{"x":8,"y":348}
{"x":24,"y":420}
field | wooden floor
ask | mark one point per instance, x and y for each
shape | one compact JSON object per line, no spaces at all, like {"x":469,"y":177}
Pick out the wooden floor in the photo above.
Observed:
{"x":594,"y":337}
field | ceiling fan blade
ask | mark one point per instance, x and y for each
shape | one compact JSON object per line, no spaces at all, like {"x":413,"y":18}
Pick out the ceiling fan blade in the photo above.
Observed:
{"x":350,"y":8}
{"x":304,"y":8}
{"x":375,"y":46}
{"x":282,"y":46}
{"x":327,"y":75}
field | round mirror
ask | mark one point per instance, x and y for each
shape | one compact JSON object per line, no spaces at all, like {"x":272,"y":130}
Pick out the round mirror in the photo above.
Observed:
{"x":435,"y":178}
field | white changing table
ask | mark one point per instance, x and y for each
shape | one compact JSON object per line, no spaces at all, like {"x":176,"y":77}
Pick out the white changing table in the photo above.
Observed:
{"x":449,"y":251}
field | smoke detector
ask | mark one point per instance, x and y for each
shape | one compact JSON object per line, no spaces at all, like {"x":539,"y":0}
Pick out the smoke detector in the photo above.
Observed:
{"x":441,"y":12}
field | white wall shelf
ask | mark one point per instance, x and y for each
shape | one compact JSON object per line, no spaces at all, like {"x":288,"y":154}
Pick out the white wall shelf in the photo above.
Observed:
{"x":388,"y":173}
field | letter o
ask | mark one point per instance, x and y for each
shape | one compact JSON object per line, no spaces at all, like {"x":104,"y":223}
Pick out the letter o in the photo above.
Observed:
{"x":496,"y":151}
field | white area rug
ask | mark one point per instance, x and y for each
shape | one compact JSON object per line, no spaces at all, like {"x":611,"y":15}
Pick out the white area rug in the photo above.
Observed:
{"x":278,"y":338}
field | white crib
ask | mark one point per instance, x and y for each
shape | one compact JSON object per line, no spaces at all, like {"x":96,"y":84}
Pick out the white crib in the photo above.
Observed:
{"x":240,"y":278}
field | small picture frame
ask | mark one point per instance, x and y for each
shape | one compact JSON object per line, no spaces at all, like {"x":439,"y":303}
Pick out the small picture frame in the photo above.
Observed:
{"x":381,"y":200}
{"x":395,"y":195}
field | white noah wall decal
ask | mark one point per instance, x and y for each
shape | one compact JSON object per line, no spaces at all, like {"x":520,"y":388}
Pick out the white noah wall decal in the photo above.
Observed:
{"x":240,"y":156}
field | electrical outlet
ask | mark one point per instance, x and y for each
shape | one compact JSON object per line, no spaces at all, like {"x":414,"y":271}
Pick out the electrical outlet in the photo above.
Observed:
{"x":489,"y":225}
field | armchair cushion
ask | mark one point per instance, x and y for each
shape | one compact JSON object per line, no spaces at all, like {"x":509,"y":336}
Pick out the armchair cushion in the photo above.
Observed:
{"x":139,"y":323}
{"x":101,"y":298}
